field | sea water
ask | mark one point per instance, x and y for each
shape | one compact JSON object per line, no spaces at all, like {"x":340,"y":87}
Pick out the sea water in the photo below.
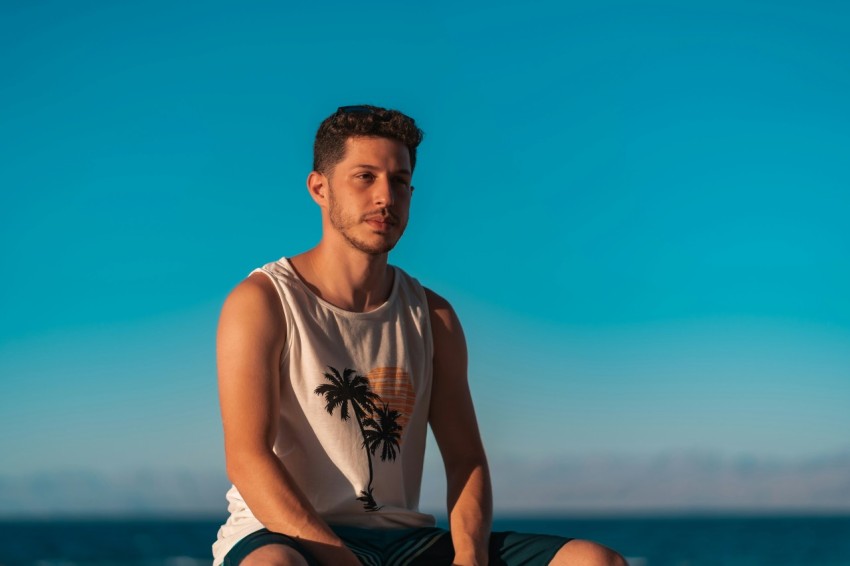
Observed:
{"x":645,"y":541}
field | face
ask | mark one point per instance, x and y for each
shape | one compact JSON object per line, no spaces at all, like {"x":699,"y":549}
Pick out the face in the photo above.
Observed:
{"x":369,"y":194}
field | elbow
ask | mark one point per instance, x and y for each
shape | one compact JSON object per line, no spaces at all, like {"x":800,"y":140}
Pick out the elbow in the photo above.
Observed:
{"x":462,"y":471}
{"x":467,"y":463}
{"x":233,"y":469}
{"x":243,"y":464}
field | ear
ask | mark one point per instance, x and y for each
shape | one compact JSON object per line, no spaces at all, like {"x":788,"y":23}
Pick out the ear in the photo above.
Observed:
{"x":317,"y":186}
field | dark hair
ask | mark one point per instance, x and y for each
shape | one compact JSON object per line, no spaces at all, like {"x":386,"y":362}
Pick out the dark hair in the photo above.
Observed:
{"x":362,"y":121}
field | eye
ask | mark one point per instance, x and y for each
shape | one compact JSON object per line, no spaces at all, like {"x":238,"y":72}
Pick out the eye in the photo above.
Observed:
{"x":366,"y":176}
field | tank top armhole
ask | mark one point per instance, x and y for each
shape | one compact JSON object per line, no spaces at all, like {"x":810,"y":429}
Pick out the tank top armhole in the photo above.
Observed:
{"x":284,"y":307}
{"x":422,"y":295}
{"x":429,"y":335}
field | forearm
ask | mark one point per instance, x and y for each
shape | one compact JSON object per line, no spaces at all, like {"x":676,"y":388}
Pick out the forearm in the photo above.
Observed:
{"x":280,"y":505}
{"x":470,"y":506}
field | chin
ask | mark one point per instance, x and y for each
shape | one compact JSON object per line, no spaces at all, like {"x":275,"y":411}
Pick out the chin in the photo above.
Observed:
{"x":377,"y":248}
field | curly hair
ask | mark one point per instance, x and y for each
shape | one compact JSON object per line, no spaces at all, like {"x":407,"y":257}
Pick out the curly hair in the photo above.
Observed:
{"x":365,"y":121}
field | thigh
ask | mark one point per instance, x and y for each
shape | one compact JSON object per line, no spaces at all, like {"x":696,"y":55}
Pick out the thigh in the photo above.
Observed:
{"x":260,"y":539}
{"x":509,"y":548}
{"x":506,"y":549}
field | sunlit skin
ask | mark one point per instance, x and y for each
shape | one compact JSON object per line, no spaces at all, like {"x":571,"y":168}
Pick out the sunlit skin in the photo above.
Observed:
{"x":376,"y":176}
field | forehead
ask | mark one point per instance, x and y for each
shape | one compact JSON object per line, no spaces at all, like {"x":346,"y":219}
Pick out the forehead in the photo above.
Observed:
{"x":384,"y":152}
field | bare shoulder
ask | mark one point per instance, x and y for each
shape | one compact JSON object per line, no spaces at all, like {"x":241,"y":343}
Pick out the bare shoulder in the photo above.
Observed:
{"x":445,"y":326}
{"x":439,"y":308}
{"x":253,"y":306}
{"x":256,"y":288}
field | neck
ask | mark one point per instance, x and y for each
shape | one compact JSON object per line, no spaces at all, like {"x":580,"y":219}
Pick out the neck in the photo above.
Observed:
{"x":348,"y":279}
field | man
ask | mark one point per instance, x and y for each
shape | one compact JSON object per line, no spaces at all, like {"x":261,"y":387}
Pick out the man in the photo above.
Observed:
{"x":332,"y":364}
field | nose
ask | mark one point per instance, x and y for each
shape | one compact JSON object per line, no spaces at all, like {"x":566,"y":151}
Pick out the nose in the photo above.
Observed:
{"x":383,"y":195}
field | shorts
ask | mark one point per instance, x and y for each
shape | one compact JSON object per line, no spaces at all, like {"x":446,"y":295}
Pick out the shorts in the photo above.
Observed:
{"x":426,"y":546}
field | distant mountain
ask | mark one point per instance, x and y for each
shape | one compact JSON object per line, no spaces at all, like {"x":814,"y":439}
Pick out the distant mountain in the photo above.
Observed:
{"x":670,"y":482}
{"x":139,"y":492}
{"x":674,"y":481}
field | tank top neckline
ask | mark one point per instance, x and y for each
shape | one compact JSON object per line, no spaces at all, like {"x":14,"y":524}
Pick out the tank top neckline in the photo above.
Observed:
{"x":383,"y":307}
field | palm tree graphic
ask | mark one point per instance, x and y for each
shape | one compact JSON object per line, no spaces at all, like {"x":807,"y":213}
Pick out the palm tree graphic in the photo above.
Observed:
{"x":382,"y":431}
{"x":352,"y":390}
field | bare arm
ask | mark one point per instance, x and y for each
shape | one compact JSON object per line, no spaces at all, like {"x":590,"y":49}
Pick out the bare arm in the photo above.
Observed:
{"x":251,"y":336}
{"x":452,"y":419}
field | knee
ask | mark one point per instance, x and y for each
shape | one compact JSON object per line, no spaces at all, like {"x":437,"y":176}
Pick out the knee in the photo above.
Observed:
{"x":586,"y":553}
{"x":274,"y":555}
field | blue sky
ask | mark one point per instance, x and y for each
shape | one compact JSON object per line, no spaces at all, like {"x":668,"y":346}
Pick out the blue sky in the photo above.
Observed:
{"x":638,"y":210}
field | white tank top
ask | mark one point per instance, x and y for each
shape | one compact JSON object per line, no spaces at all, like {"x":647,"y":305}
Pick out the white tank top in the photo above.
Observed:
{"x":354,"y":399}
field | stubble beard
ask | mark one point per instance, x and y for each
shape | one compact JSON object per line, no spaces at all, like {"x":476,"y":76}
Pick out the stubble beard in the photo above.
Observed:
{"x":344,"y":223}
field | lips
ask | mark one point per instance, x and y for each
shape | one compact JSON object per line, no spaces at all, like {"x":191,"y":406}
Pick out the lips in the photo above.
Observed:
{"x":379,"y":223}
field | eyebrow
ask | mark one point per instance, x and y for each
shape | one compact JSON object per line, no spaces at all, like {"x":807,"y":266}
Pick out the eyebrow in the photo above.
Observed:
{"x":373,"y":168}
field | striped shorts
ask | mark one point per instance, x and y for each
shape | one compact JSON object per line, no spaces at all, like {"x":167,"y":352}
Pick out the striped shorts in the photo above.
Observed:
{"x":426,"y":546}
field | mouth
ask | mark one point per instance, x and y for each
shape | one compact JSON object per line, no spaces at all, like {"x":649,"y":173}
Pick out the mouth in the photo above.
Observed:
{"x":380,"y":223}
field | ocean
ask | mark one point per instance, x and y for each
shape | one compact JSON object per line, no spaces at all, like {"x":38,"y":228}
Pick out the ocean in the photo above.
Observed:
{"x":645,"y":541}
